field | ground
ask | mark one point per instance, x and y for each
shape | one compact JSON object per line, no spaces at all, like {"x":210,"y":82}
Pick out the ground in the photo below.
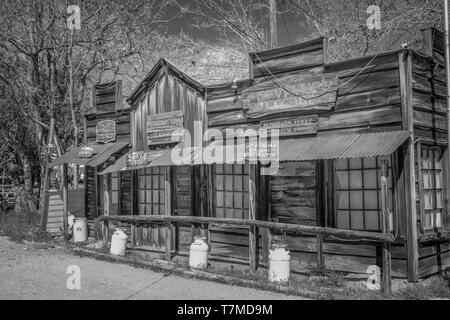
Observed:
{"x":39,"y":271}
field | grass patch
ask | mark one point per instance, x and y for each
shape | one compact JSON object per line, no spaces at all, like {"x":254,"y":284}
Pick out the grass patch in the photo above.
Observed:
{"x":20,"y":226}
{"x":433,"y":288}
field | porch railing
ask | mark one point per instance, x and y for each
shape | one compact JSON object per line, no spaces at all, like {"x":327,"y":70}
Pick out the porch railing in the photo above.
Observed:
{"x":253,"y":229}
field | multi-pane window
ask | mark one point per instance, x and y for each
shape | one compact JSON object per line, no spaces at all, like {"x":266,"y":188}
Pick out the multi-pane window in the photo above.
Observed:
{"x":231,"y":191}
{"x":431,"y":166}
{"x":358,"y":193}
{"x":151,"y":191}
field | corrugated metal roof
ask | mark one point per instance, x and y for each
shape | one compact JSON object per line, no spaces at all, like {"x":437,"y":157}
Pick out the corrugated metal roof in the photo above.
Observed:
{"x":102,"y":152}
{"x":102,"y":157}
{"x":342,"y":146}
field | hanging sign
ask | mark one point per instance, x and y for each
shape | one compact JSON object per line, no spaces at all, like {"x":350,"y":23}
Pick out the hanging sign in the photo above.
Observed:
{"x":86,"y":152}
{"x":165,"y":128}
{"x":136,"y":159}
{"x":295,"y":126}
{"x":106,"y":131}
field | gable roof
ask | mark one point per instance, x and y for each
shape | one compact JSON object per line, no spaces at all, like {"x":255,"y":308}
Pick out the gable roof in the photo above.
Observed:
{"x":151,"y":78}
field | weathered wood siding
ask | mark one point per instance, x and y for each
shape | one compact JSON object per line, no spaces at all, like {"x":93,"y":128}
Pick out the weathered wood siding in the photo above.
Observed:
{"x":293,"y":193}
{"x":55,"y":208}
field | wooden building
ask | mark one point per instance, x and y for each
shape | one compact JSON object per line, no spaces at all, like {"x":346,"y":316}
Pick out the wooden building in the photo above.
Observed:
{"x":106,"y":138}
{"x":362,"y":172}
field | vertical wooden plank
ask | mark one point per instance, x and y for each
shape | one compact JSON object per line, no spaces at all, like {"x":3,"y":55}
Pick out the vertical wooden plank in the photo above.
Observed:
{"x":168,"y":241}
{"x":133,"y":234}
{"x":264,"y":199}
{"x":320,"y":261}
{"x":106,"y":238}
{"x":168,"y":209}
{"x":65,"y":182}
{"x":96,"y":192}
{"x":253,"y":211}
{"x":386,"y":281}
{"x":405,"y":70}
{"x":420,"y":187}
{"x":119,"y":193}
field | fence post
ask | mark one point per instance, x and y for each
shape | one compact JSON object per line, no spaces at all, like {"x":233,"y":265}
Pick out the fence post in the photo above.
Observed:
{"x":319,"y":238}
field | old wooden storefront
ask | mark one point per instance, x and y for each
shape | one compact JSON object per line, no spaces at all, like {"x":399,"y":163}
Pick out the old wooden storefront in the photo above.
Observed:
{"x":361,"y":176}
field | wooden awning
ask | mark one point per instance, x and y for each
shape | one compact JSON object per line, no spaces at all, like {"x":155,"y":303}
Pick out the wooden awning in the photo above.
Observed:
{"x":342,"y":146}
{"x":176,"y":156}
{"x":100,"y":154}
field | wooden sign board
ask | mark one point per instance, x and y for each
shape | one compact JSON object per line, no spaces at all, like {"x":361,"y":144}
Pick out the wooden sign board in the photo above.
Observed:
{"x":136,"y":159}
{"x":86,"y":152}
{"x":106,"y":131}
{"x":165,"y":128}
{"x":141,"y":158}
{"x":290,"y":94}
{"x":295,"y":126}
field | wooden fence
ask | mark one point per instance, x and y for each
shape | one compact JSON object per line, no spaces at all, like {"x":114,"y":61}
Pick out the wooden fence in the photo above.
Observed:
{"x":253,"y":226}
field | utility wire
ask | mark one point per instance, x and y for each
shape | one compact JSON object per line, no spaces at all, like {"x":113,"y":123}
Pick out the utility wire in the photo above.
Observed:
{"x":320,"y":95}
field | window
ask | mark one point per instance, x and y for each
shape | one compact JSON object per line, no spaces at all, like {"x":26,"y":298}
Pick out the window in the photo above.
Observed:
{"x":231,"y":191}
{"x":431,"y":165}
{"x":151,"y":191}
{"x":358,"y":193}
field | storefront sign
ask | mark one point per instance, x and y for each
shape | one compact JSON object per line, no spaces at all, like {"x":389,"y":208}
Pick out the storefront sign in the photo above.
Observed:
{"x":307,"y":93}
{"x":165,"y":128}
{"x":106,"y":131}
{"x":86,"y":152}
{"x":136,"y":159}
{"x":295,"y":126}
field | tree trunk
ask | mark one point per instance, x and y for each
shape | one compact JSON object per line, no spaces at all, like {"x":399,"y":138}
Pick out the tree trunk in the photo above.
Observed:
{"x":76,"y":130}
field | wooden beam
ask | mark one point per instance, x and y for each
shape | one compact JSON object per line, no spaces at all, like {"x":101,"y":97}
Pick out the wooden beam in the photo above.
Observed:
{"x":320,"y":260}
{"x":65,"y":193}
{"x":253,"y":212}
{"x":406,"y":84}
{"x":307,"y":230}
{"x":386,"y":281}
{"x":168,"y":210}
{"x":264,"y":200}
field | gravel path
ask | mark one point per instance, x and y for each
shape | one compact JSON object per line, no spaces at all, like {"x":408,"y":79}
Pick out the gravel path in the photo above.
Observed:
{"x":39,"y":272}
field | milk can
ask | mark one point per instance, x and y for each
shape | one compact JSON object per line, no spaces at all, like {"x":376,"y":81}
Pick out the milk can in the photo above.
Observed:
{"x":279,"y":265}
{"x":80,"y":230}
{"x":198,"y":254}
{"x":118,"y":243}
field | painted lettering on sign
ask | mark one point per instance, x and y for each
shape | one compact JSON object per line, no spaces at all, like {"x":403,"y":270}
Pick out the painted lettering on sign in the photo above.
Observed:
{"x":312,"y":93}
{"x":136,"y":159}
{"x":293,"y":126}
{"x":86,"y":152}
{"x":106,"y":131}
{"x":165,"y":128}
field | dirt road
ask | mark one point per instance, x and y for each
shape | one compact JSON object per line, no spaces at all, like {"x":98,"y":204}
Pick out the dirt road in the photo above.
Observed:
{"x":39,"y":272}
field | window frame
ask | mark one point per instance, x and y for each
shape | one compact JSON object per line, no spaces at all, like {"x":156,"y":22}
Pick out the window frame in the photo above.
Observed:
{"x":334,"y":190}
{"x":244,"y":193}
{"x":149,"y":173}
{"x":421,"y":188}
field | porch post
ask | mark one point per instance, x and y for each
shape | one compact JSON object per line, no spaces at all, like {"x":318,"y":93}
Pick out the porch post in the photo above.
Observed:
{"x":386,"y":279}
{"x":65,"y":195}
{"x":405,"y":70}
{"x":253,"y":213}
{"x":168,"y":210}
